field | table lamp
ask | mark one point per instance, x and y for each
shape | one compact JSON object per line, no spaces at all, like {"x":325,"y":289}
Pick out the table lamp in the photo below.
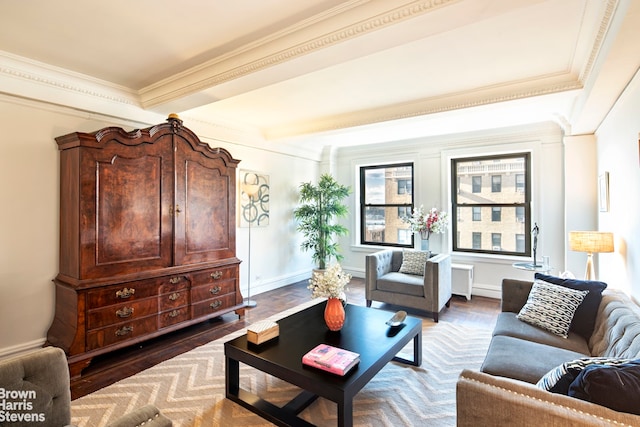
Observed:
{"x":590,"y":242}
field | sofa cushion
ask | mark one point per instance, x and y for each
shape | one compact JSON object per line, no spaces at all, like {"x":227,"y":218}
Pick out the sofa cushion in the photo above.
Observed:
{"x":508,"y":324}
{"x":584,"y":318}
{"x":401,"y":283}
{"x":551,"y":307}
{"x":560,"y":378}
{"x":616,"y":387}
{"x":413,"y":261}
{"x":523,"y":360}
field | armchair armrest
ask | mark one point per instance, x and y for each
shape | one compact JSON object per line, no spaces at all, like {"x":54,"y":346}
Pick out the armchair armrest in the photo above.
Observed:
{"x":376,"y":265}
{"x":483,"y":399}
{"x":514,"y":294}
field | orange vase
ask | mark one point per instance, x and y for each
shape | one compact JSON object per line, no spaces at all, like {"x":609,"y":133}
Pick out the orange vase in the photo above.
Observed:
{"x":334,"y":314}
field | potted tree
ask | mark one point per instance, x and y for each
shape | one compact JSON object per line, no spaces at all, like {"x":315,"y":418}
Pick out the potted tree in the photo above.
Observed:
{"x":320,"y":205}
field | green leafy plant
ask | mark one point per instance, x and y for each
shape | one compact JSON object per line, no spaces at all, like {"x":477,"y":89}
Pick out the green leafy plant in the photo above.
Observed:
{"x":320,"y":205}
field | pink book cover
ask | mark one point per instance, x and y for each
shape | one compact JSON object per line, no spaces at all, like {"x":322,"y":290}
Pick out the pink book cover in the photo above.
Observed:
{"x":331,"y":359}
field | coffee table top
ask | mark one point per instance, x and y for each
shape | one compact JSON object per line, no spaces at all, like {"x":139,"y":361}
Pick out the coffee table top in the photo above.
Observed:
{"x":364,"y":332}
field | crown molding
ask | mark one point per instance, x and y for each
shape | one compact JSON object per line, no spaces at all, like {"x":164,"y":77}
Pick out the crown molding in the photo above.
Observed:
{"x":565,"y":84}
{"x":306,"y":37}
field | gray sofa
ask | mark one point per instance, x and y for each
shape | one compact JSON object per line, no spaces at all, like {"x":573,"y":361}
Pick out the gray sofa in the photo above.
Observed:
{"x":430,"y":291}
{"x":42,"y":378}
{"x":504,"y":391}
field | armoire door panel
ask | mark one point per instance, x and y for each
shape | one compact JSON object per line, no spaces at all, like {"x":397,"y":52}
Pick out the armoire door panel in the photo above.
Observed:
{"x":129,"y":210}
{"x":126,"y":217}
{"x":203,"y":229}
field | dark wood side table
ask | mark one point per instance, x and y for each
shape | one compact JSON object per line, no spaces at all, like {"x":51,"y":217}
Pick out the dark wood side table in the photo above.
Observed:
{"x":364,"y":332}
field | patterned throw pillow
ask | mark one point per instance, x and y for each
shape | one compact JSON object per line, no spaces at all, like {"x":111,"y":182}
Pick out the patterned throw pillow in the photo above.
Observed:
{"x":413,"y":262}
{"x":584,"y":320}
{"x":551,"y":307}
{"x":560,"y":378}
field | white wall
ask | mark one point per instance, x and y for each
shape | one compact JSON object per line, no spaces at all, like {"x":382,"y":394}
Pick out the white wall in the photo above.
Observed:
{"x":29,"y":221}
{"x":619,"y":154}
{"x":431,"y":157}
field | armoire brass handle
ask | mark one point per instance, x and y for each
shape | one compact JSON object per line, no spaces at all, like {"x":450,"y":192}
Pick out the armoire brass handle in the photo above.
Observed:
{"x":125,"y":293}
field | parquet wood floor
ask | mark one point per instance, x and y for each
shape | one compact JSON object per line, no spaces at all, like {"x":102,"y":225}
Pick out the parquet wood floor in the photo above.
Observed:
{"x":115,"y":366}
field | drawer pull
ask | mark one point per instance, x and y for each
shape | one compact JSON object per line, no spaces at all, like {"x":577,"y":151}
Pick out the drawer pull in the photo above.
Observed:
{"x":215,"y":304}
{"x":174,"y":313}
{"x":175,"y":280}
{"x":216,"y":275}
{"x":174,"y":296}
{"x":124,"y":312}
{"x":124,"y":331}
{"x":215,"y":290}
{"x":125,"y":293}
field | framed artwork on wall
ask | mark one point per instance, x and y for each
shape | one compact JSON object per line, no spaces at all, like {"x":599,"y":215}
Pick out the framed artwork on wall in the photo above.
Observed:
{"x":254,"y":199}
{"x":603,"y":192}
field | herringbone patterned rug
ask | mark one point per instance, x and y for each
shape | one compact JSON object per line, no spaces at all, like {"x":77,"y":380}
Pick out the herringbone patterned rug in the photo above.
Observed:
{"x":189,"y":388}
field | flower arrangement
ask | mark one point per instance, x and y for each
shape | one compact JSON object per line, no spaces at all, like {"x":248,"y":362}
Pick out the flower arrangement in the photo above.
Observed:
{"x":330,"y":284}
{"x":434,"y":221}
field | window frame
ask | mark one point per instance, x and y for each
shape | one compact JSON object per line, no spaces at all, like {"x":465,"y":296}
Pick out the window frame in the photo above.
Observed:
{"x":364,"y":205}
{"x":526,"y":204}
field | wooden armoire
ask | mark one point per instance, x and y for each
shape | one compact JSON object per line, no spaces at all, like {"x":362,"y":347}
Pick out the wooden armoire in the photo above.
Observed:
{"x":147,"y":238}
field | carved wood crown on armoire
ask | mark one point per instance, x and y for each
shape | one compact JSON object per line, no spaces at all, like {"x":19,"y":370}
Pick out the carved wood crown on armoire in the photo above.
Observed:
{"x":147,"y":238}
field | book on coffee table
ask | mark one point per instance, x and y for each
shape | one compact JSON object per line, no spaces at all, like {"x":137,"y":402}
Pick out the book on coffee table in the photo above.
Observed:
{"x":331,"y":359}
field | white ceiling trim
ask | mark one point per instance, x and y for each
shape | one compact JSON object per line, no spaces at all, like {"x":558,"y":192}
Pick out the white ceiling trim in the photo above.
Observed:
{"x":562,"y":84}
{"x":282,"y":47}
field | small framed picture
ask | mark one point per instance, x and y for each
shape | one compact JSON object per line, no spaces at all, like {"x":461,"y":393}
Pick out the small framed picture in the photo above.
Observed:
{"x":603,"y":192}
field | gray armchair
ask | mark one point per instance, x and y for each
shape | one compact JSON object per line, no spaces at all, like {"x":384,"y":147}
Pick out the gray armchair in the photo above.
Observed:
{"x":42,"y":378}
{"x":384,"y":282}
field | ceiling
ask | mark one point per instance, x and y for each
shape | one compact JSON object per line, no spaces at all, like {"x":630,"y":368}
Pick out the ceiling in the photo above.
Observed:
{"x":350,"y":71}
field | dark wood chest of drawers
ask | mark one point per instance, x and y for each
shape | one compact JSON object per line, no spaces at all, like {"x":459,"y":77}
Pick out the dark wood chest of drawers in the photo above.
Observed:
{"x":147,"y":238}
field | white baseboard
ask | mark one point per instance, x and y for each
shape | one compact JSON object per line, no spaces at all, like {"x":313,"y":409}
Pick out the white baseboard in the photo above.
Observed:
{"x":21,"y":348}
{"x":489,"y":291}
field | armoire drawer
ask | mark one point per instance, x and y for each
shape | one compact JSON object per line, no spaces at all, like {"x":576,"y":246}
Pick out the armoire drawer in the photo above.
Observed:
{"x":122,"y":332}
{"x":171,"y":317}
{"x":213,"y":275}
{"x":214,"y":305}
{"x":128,"y":291}
{"x":118,"y":313}
{"x":212,"y":290}
{"x":173,"y":299}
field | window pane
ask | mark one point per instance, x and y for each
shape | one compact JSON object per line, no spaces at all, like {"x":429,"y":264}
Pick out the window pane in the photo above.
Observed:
{"x":477,"y":214}
{"x":509,"y":227}
{"x":506,"y":171}
{"x":386,"y":197}
{"x":388,"y":185}
{"x":384,"y":225}
{"x":496,"y":241}
{"x":496,"y":214}
{"x":496,"y":183}
{"x":476,"y":182}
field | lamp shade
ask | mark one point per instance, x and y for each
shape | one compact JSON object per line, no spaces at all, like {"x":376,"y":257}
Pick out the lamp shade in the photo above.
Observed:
{"x":250,"y":189}
{"x":591,"y":241}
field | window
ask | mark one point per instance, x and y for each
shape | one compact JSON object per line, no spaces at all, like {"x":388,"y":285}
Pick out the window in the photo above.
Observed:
{"x":476,"y":182}
{"x":496,"y":183}
{"x":519,"y":242}
{"x":476,"y":212}
{"x":386,"y":197}
{"x":477,"y":240}
{"x":496,"y":214}
{"x":496,"y":241}
{"x":404,"y":186}
{"x":508,"y":200}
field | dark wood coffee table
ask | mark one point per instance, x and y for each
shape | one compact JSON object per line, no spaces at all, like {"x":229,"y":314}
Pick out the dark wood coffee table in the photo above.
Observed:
{"x":364,"y":332}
